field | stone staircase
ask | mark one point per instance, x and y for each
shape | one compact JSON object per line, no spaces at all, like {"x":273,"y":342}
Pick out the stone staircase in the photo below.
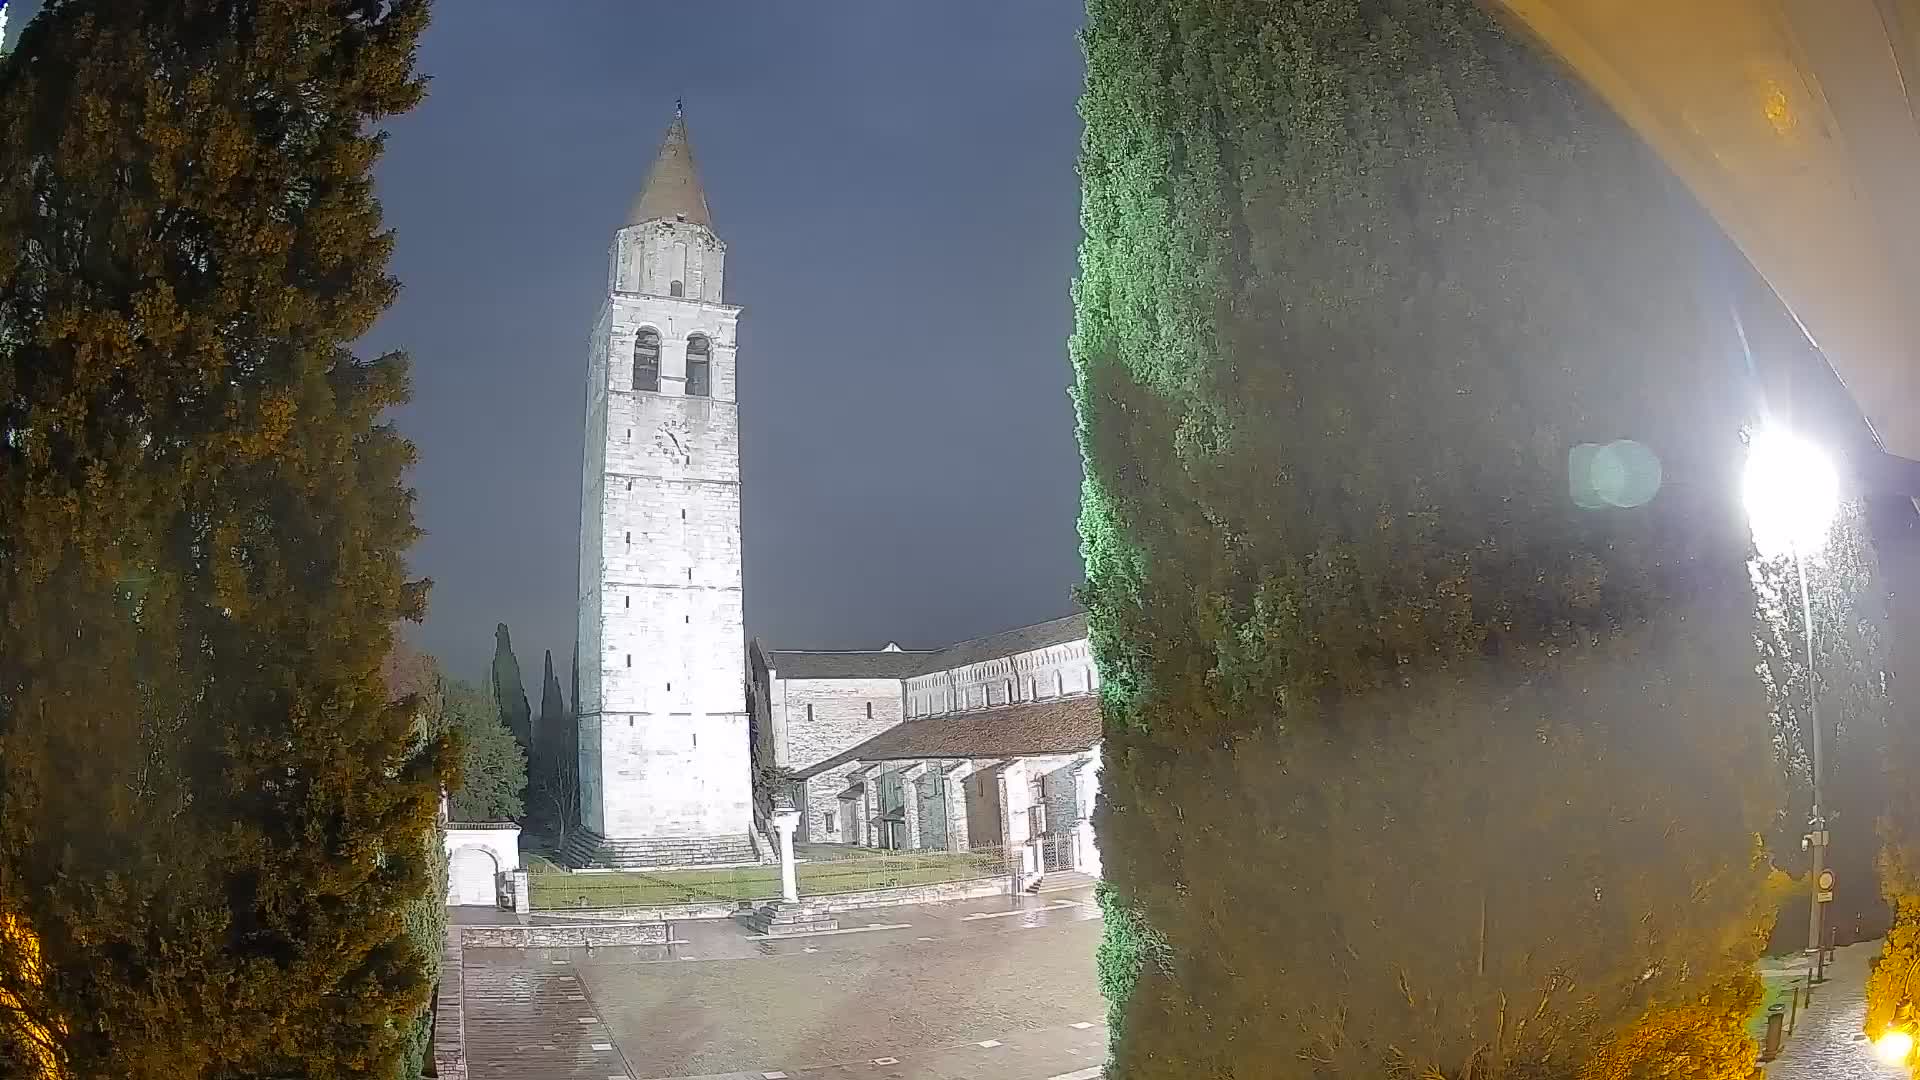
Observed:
{"x":1061,"y":881}
{"x":587,"y":850}
{"x":775,"y":919}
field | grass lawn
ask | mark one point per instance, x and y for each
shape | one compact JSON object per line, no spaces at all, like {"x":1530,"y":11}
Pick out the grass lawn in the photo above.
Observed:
{"x":1775,"y":990}
{"x":554,"y":887}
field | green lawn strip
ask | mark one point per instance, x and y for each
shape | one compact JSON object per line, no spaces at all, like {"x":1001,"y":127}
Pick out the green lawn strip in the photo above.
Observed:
{"x":1777,"y":989}
{"x":555,"y":888}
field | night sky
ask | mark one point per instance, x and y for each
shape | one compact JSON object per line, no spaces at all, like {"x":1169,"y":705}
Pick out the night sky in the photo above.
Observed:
{"x":895,"y":183}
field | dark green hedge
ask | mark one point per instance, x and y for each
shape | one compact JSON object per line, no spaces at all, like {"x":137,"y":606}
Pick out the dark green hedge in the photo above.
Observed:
{"x":1413,"y":766}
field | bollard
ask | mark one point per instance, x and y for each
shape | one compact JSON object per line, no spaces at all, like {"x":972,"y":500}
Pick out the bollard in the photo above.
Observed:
{"x":1776,"y":1025}
{"x":1794,"y":1013}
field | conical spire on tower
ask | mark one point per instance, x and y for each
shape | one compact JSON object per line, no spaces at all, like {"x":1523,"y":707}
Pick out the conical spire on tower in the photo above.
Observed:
{"x":672,"y":191}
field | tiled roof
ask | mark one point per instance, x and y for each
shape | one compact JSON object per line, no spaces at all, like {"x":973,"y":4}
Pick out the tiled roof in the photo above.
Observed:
{"x":891,"y":664}
{"x":1059,"y":726}
{"x":898,"y":664}
{"x":673,"y":188}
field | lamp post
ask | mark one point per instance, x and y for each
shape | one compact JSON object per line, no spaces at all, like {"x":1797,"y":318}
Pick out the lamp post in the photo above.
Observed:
{"x":1792,"y":493}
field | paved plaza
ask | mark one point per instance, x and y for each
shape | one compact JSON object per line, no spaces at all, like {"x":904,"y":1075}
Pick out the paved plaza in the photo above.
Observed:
{"x":1001,"y":988}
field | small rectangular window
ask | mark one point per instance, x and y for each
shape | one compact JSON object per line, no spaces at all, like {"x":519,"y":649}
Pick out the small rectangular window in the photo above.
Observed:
{"x":626,"y":601}
{"x":809,"y":714}
{"x":869,"y":710}
{"x":629,"y":659}
{"x":827,"y":820}
{"x":683,"y":515}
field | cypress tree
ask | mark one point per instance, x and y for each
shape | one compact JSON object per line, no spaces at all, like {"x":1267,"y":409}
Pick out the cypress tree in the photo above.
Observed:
{"x":213,"y":817}
{"x":413,"y":676}
{"x":1419,"y":760}
{"x":509,"y":691}
{"x":553,"y":706}
{"x":555,"y":765}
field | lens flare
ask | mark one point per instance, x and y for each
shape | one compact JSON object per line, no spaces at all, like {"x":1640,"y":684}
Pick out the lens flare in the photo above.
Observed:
{"x":1792,"y":494}
{"x":1894,"y":1047}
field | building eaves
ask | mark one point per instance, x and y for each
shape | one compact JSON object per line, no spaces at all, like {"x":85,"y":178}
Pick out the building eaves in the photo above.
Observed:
{"x":1028,"y":729}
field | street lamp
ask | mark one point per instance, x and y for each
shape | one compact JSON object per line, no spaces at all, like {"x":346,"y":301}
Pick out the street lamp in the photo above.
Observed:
{"x":1792,"y":493}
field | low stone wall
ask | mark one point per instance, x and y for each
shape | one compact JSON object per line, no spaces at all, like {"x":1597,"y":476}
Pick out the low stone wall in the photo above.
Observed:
{"x":668,"y":913}
{"x":830,"y":902}
{"x":909,"y":894}
{"x":598,"y":935}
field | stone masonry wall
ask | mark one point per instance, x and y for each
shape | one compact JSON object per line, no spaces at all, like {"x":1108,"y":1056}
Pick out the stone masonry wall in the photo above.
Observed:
{"x":844,"y":713}
{"x":663,"y":712}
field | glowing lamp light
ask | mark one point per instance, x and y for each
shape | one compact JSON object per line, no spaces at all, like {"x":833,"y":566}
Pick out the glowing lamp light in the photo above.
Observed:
{"x":1792,"y":494}
{"x":1894,"y":1047}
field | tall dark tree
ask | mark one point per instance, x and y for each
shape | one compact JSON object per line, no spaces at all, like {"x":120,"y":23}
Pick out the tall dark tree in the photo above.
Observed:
{"x":213,"y":816}
{"x":509,"y":691}
{"x":1848,"y":679}
{"x":554,"y":784}
{"x":553,"y":704}
{"x":1432,"y":747}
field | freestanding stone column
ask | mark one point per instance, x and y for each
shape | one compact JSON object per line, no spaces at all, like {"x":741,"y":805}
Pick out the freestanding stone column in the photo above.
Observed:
{"x":785,"y":821}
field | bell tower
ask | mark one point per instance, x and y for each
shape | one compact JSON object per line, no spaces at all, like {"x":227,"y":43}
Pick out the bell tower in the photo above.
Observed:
{"x":665,"y":773}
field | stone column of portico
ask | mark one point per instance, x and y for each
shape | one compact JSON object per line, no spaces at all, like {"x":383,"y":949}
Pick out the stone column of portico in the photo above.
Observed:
{"x":954,"y":785}
{"x":785,"y":821}
{"x":869,"y":829}
{"x":1086,"y":783}
{"x":910,"y":803}
{"x":1014,"y":802}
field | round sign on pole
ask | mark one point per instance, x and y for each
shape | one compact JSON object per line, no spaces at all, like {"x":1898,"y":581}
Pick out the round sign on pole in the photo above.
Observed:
{"x":1826,"y":881}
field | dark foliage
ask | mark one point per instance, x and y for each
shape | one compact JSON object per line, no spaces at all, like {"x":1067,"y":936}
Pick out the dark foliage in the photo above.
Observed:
{"x":1413,"y":766}
{"x":214,"y":818}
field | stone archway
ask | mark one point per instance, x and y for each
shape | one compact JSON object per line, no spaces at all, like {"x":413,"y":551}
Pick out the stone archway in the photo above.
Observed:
{"x":473,"y":876}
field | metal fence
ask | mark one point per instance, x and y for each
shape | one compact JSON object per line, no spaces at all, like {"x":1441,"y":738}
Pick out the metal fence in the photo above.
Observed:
{"x":823,"y":870}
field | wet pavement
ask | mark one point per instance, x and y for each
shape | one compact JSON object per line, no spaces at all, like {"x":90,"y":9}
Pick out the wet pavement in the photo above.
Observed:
{"x":1002,"y":987}
{"x":1828,"y":1043}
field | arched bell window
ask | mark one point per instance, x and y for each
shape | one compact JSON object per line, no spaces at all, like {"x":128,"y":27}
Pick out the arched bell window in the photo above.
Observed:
{"x":646,"y":360}
{"x":699,"y":367}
